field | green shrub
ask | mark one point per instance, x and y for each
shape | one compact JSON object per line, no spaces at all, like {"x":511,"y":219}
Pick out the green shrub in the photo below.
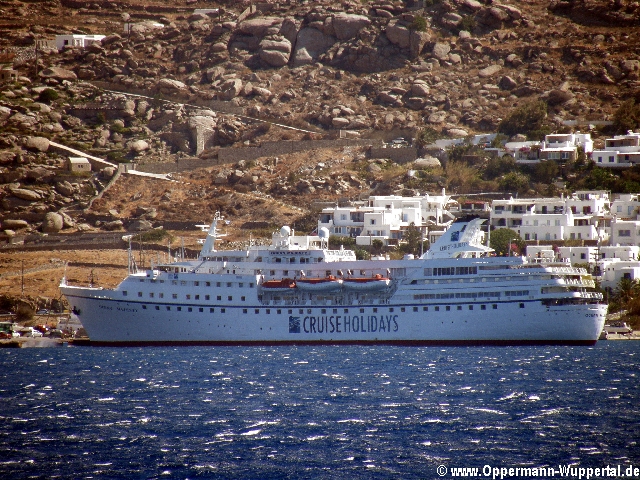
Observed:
{"x":468,"y":23}
{"x":528,"y":117}
{"x":419,"y":24}
{"x":48,"y":95}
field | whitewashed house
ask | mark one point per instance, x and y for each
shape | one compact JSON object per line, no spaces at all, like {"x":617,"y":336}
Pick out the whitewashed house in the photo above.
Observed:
{"x":583,"y":216}
{"x":563,"y":147}
{"x":76,"y":40}
{"x":625,"y":232}
{"x":625,"y":206}
{"x":386,"y":218}
{"x":619,"y":151}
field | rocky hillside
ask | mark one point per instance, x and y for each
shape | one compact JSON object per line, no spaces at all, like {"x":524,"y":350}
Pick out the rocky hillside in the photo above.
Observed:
{"x":178,"y":85}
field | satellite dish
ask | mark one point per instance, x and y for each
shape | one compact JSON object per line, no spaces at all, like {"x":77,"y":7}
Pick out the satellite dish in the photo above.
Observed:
{"x":323,"y":232}
{"x":285,"y":231}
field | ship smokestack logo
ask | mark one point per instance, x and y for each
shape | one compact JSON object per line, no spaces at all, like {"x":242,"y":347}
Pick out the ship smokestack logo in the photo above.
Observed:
{"x":455,"y":236}
{"x":294,"y":324}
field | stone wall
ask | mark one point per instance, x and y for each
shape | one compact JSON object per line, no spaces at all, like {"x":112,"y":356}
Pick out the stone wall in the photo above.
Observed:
{"x":267,"y":149}
{"x":398,"y":155}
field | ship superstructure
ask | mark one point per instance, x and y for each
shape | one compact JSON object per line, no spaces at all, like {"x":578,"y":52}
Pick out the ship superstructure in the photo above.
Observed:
{"x":298,"y":291}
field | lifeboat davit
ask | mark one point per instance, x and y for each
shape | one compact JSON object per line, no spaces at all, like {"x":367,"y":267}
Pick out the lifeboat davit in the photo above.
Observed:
{"x":377,"y":282}
{"x":326,"y":284}
{"x":284,"y":285}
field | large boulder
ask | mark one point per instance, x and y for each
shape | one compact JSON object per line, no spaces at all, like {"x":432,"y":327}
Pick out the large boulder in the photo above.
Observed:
{"x":24,"y":194}
{"x":138,"y":146}
{"x":230,"y":89}
{"x":40,"y":144}
{"x":15,"y":224}
{"x":275,"y":53}
{"x":310,"y":44}
{"x":168,"y":85}
{"x":259,"y":27}
{"x":347,"y":26}
{"x":398,"y":34}
{"x":58,"y":73}
{"x":53,"y":223}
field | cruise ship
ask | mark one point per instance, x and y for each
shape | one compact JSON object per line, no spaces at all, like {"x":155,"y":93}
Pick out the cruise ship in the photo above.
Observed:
{"x":297,"y":291}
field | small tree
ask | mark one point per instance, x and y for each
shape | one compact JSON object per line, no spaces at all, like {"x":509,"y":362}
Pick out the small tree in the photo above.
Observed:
{"x":419,"y":24}
{"x":627,"y":117}
{"x":505,"y":240}
{"x":48,"y":95}
{"x":528,"y":117}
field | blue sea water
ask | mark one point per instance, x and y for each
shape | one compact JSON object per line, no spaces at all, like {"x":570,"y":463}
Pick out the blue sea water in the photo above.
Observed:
{"x":315,"y":412}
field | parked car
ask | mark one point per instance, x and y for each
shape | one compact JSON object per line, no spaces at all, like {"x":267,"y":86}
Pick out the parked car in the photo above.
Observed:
{"x":5,"y":335}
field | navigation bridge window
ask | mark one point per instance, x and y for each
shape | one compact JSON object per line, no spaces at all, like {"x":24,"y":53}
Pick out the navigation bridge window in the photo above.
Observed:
{"x":441,"y":271}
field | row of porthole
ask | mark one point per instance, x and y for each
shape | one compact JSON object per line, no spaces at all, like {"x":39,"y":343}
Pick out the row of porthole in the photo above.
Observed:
{"x":323,"y":311}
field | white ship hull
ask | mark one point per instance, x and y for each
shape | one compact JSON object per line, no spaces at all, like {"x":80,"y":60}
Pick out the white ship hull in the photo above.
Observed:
{"x":114,"y":322}
{"x":219,"y":300}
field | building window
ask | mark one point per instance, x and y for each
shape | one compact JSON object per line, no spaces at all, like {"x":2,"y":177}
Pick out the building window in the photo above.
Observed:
{"x":624,"y":233}
{"x":611,"y":159}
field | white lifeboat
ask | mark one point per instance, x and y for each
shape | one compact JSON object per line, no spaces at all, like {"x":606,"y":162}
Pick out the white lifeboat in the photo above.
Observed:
{"x":326,"y":284}
{"x":377,"y":282}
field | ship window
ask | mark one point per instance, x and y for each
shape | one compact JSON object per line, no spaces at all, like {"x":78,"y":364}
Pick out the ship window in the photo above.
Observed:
{"x":522,"y":305}
{"x":183,"y":282}
{"x":151,"y":295}
{"x":268,"y":311}
{"x":197,"y":297}
{"x":415,"y":309}
{"x":308,"y":310}
{"x":301,"y":311}
{"x":280,"y":311}
{"x":208,"y":284}
{"x":219,"y":298}
{"x":217,"y":284}
{"x":211,"y":310}
{"x":483,"y":307}
{"x":124,"y":293}
{"x":201,"y":309}
{"x":229,"y":298}
{"x":174,"y":282}
{"x":324,"y":310}
{"x":206,"y":297}
{"x":157,"y":307}
{"x":390,"y":309}
{"x":174,"y":296}
{"x":425,"y":309}
{"x":196,"y":284}
{"x":289,"y":312}
{"x":244,"y":310}
{"x":228,"y":284}
{"x":459,"y":307}
{"x":257,"y":311}
{"x":251,"y":285}
{"x":188,"y":297}
{"x":437,"y":309}
{"x":222,"y":310}
{"x":448,"y":308}
{"x":375,"y":310}
{"x":495,"y":307}
{"x":241,"y":285}
{"x":242,"y":299}
{"x":144,"y":307}
{"x":139,"y":294}
{"x":190,"y":309}
{"x":470,"y":307}
{"x":402,"y":309}
{"x":362,"y":310}
{"x":168,"y":308}
{"x":179,"y":309}
{"x":335,"y":310}
{"x":346,"y":310}
{"x":161,"y":295}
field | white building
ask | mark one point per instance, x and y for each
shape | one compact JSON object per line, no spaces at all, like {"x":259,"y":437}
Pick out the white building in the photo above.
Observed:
{"x":81,"y":41}
{"x":619,"y":151}
{"x":625,"y":232}
{"x":625,"y":206}
{"x":564,"y":146}
{"x":386,"y":218}
{"x":583,"y":216}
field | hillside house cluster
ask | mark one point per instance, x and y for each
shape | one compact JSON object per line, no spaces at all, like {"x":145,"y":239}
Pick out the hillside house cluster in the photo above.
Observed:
{"x":619,"y":151}
{"x":386,"y":218}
